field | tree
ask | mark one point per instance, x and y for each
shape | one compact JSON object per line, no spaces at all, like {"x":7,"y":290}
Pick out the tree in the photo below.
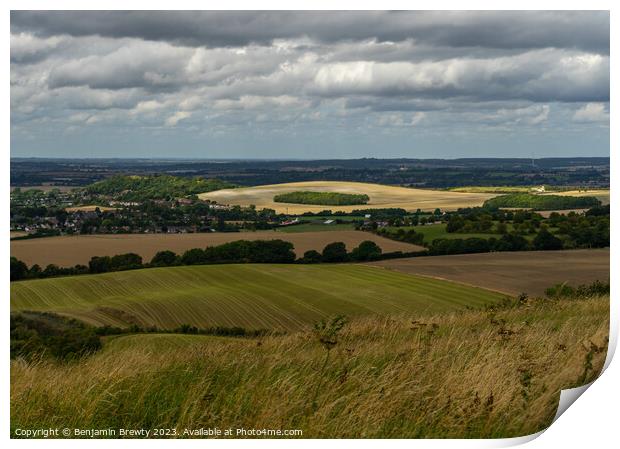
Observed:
{"x":311,"y":256}
{"x":194,"y":256}
{"x":367,"y":250}
{"x":501,"y":228}
{"x":35,"y":271}
{"x":164,"y":259}
{"x":335,"y":252}
{"x":455,"y":223}
{"x":99,"y":264}
{"x":546,"y":241}
{"x":270,"y":251}
{"x":19,"y":269}
{"x":126,"y":261}
{"x":511,"y":242}
{"x":51,"y":270}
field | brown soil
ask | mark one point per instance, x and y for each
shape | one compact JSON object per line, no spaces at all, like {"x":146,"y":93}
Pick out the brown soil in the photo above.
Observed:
{"x":512,"y":272}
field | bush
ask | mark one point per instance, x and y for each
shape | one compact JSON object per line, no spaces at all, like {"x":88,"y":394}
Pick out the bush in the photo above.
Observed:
{"x":35,"y":334}
{"x":596,"y":288}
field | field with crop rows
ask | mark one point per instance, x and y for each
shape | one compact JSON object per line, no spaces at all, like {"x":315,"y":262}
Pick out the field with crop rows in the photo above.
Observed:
{"x":280,"y":297}
{"x":511,"y":272}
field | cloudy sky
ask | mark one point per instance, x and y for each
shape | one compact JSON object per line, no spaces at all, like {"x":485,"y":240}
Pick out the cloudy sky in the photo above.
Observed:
{"x":309,"y":84}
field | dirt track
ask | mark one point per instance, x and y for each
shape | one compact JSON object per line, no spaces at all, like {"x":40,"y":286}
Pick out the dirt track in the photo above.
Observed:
{"x":511,"y":272}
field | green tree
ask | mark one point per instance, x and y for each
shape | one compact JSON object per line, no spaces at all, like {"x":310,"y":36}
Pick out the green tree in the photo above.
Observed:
{"x":164,"y":259}
{"x":19,"y":269}
{"x":546,"y":241}
{"x":335,"y":252}
{"x":367,"y":250}
{"x":311,"y":256}
{"x":99,"y":264}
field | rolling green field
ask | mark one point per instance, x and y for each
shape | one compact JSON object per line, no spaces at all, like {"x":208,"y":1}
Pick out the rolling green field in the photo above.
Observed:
{"x":274,"y":297}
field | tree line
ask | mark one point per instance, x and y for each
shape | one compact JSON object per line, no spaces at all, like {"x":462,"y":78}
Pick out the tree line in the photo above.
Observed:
{"x":240,"y":251}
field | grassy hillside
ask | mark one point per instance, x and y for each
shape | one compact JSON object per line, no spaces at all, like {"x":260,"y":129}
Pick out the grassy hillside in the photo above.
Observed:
{"x":466,"y":374}
{"x":282,"y":297}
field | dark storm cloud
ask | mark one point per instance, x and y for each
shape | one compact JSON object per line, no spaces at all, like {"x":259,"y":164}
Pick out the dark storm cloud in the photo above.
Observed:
{"x":580,"y":30}
{"x":242,"y":77}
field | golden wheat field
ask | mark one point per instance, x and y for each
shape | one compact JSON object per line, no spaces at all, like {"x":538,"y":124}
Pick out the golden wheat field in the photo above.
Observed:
{"x":602,"y":194}
{"x":513,"y":273}
{"x":467,"y":374}
{"x":70,"y":250}
{"x":381,"y":196}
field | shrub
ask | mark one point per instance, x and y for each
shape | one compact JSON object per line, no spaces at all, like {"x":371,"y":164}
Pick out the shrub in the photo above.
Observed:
{"x":36,"y":334}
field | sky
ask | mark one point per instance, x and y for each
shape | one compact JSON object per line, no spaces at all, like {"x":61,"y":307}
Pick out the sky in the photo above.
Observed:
{"x":309,"y":85}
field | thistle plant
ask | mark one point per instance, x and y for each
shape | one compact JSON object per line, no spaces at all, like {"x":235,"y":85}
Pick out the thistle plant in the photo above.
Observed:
{"x":326,"y":332}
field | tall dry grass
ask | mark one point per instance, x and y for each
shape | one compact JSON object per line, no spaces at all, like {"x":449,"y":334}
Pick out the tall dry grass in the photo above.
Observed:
{"x":471,"y":374}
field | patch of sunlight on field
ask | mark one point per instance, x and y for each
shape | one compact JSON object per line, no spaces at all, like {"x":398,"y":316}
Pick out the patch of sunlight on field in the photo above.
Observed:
{"x":381,"y":196}
{"x":265,"y":296}
{"x":602,"y":195}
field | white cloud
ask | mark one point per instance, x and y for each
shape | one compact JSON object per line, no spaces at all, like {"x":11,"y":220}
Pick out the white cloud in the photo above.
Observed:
{"x":530,"y":115}
{"x":401,"y":120}
{"x":177,"y":117}
{"x":591,"y":113}
{"x":417,"y":118}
